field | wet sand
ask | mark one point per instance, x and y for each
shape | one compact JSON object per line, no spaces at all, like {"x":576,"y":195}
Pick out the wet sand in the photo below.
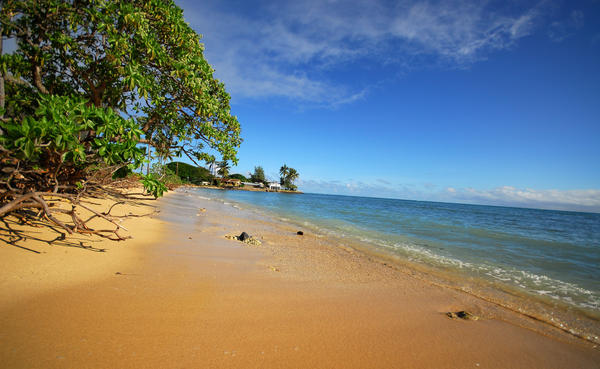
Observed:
{"x":186,"y":297}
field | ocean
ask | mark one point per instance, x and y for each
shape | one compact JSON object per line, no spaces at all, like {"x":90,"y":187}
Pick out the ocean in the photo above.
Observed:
{"x":545,"y":263}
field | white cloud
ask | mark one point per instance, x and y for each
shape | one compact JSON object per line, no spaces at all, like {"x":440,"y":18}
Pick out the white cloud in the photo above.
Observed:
{"x":352,"y":187}
{"x":588,"y":200}
{"x":288,"y":49}
{"x":576,"y":200}
{"x":459,"y":31}
{"x":560,"y":30}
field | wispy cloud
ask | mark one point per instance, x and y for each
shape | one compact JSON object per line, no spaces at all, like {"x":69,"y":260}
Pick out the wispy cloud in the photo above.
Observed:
{"x":289,"y":49}
{"x":586,"y":200}
{"x":577,"y":200}
{"x":560,"y":30}
{"x":356,"y":188}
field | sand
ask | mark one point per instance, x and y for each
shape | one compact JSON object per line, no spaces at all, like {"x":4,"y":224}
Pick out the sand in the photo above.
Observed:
{"x":187,"y":297}
{"x":40,"y":257}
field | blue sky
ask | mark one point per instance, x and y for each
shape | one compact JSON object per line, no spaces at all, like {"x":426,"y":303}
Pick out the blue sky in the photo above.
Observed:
{"x":479,"y":102}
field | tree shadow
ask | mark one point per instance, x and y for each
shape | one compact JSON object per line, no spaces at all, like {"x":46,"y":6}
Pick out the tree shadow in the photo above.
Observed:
{"x":12,"y":233}
{"x":18,"y":228}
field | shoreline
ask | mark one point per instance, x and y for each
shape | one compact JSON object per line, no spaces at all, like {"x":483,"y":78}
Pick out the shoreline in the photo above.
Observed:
{"x":193,"y":298}
{"x":243,"y":188}
{"x":558,"y":315}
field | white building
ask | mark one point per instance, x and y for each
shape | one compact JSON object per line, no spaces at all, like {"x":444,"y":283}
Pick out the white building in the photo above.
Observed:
{"x":252,"y":184}
{"x":274,"y":186}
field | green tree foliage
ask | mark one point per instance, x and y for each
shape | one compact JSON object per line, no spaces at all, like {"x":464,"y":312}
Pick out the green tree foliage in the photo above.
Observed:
{"x":92,"y":79}
{"x":190,"y":173}
{"x":57,"y":134}
{"x":224,"y":168}
{"x":283,"y":172}
{"x":287,"y":177}
{"x":165,"y":174}
{"x":241,"y":177}
{"x":291,"y":177}
{"x":137,"y":58}
{"x":155,"y":184}
{"x":259,"y":175}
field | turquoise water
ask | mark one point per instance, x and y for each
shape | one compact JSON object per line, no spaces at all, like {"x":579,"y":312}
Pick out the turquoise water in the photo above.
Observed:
{"x":554,"y":255}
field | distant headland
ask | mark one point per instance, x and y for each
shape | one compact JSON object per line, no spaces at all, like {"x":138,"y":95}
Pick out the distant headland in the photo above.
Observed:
{"x":217,"y":176}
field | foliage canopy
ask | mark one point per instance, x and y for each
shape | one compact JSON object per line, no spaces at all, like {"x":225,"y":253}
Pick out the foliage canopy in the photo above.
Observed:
{"x":90,"y":81}
{"x":224,"y":168}
{"x":239,"y":176}
{"x":190,"y":173}
{"x":288,"y":176}
{"x":259,"y":175}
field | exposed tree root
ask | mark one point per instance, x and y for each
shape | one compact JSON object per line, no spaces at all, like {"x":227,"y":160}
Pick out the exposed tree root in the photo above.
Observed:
{"x":46,"y":205}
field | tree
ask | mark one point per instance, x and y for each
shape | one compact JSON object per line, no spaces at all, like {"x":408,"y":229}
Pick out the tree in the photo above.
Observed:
{"x":224,"y":168}
{"x":138,"y":57}
{"x":291,"y":177}
{"x":241,"y":177}
{"x":283,"y":173}
{"x":191,"y":173}
{"x":259,"y":175}
{"x":288,"y":176}
{"x":89,"y":82}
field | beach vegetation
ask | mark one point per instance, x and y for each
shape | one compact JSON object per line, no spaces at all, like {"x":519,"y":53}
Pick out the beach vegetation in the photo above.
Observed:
{"x":224,"y":168}
{"x":259,"y":175}
{"x":287,"y":177}
{"x":165,"y":175}
{"x":91,"y":86}
{"x":241,"y":177}
{"x":190,"y":173}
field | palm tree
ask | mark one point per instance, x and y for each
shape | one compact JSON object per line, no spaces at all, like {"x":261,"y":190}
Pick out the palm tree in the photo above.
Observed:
{"x":292,"y":174}
{"x":283,"y":172}
{"x":224,"y":168}
{"x":291,"y":177}
{"x":288,"y":176}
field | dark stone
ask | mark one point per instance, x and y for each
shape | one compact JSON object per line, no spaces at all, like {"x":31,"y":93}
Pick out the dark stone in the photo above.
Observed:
{"x":244,"y":236}
{"x":462,"y":314}
{"x":300,"y":233}
{"x":465,"y":315}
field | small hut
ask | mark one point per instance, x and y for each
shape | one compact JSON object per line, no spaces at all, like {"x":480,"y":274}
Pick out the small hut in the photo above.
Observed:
{"x":231,"y":183}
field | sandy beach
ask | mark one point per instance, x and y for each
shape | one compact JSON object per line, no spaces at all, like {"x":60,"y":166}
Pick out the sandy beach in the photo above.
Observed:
{"x":182,"y":295}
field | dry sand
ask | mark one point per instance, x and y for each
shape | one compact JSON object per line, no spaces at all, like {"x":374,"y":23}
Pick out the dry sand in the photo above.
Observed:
{"x":186,"y":297}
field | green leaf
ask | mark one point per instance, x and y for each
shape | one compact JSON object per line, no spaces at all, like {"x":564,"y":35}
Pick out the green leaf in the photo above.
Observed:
{"x":29,"y":147}
{"x":140,"y":44}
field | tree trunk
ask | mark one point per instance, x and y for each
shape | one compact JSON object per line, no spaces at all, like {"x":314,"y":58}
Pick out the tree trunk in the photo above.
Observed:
{"x":2,"y":93}
{"x":148,"y":167}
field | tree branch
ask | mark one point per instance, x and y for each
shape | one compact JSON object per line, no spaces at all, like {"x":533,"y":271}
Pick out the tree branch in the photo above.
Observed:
{"x":17,"y":81}
{"x":37,"y":79}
